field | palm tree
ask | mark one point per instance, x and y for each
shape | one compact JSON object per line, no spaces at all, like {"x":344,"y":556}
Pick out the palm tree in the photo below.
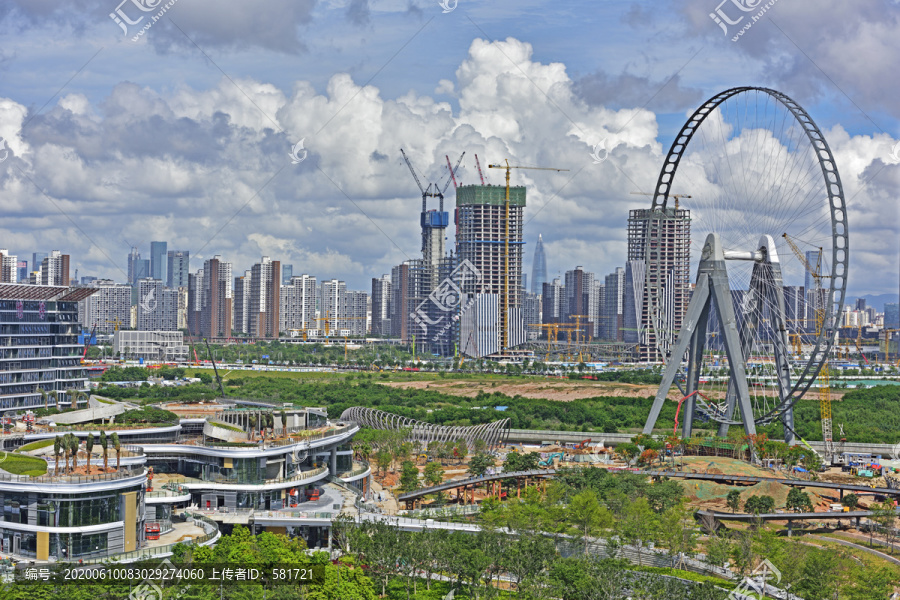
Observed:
{"x":57,"y":448}
{"x":118,"y":447}
{"x":44,"y":397}
{"x":73,"y":447}
{"x":104,"y":445}
{"x":55,"y":396}
{"x":253,"y":421}
{"x":283,"y":423}
{"x":89,"y":445}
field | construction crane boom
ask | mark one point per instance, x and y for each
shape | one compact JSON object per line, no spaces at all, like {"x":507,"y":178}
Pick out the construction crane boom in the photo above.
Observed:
{"x":504,"y":314}
{"x":452,"y":172}
{"x":824,"y":375}
{"x":480,"y":174}
{"x":413,"y":171}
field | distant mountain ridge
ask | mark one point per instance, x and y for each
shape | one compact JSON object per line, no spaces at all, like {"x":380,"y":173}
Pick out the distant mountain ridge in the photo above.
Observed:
{"x":876,"y":300}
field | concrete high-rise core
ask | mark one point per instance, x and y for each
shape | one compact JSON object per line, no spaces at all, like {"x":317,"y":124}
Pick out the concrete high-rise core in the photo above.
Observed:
{"x":661,"y":239}
{"x":481,"y":230}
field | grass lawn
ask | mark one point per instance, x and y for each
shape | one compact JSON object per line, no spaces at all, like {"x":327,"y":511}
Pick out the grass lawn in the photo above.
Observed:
{"x":22,"y":464}
{"x":36,"y":445}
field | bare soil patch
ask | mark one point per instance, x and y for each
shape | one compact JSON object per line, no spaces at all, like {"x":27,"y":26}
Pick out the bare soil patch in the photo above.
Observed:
{"x":547,"y":389}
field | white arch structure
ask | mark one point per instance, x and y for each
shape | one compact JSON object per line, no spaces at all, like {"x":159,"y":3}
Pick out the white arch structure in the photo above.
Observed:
{"x":493,"y":434}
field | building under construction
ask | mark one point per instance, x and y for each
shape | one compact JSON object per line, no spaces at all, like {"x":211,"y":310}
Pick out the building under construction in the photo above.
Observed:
{"x":660,"y":239}
{"x":494,"y":249}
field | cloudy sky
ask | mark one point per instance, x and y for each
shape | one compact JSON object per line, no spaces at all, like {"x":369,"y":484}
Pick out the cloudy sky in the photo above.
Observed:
{"x":119,"y":129}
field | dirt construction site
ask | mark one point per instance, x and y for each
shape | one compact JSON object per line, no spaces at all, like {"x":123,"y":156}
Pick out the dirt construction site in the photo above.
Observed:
{"x":562,"y":390}
{"x":711,"y":495}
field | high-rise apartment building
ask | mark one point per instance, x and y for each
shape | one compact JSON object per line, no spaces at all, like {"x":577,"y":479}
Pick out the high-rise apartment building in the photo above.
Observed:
{"x":354,"y":309}
{"x":178,"y":268}
{"x":539,"y":268}
{"x":22,"y":271}
{"x":581,"y":304}
{"x":298,"y":304}
{"x":533,"y":315}
{"x":381,"y":305}
{"x":159,"y":261}
{"x":8,"y":267}
{"x":108,"y":308}
{"x":612,"y":320}
{"x":660,"y":238}
{"x":553,"y":300}
{"x":265,"y":298}
{"x":332,"y":291}
{"x":400,"y":322}
{"x":157,"y":307}
{"x":494,"y":246}
{"x":54,"y":269}
{"x":210,"y":299}
{"x":36,"y":259}
{"x":241,"y":304}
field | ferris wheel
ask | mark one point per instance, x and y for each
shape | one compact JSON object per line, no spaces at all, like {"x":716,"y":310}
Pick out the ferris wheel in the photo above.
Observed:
{"x":765,"y":204}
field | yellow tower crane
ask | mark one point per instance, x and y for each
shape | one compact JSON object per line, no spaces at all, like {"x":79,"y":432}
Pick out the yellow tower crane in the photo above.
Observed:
{"x":824,"y":382}
{"x":504,"y":310}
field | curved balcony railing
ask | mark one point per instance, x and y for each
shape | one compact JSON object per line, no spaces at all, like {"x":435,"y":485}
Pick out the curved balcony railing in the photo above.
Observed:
{"x":233,"y":481}
{"x":210,"y":529}
{"x":122,"y":473}
{"x":359,"y":467}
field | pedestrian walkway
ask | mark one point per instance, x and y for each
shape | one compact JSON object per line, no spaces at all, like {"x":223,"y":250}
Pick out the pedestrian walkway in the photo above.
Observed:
{"x":388,"y":504}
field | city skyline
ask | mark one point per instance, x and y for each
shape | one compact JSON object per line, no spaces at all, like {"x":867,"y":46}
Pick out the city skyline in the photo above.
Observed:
{"x":174,"y":172}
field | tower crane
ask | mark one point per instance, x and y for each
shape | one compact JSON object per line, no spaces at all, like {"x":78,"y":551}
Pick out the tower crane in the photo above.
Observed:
{"x":480,"y":174}
{"x":504,"y":309}
{"x":452,"y":173}
{"x":824,"y":382}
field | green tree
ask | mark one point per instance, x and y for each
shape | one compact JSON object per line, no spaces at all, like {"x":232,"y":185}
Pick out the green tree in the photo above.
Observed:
{"x":638,"y":524}
{"x":850,"y":500}
{"x":89,"y":446}
{"x":104,"y":446}
{"x":518,"y":461}
{"x":73,"y":448}
{"x":718,"y":549}
{"x":587,"y":515}
{"x":798,"y":501}
{"x":480,"y":463}
{"x":434,"y":473}
{"x":627,"y":451}
{"x":734,"y":500}
{"x":57,"y":448}
{"x":884,"y":515}
{"x":759,"y":504}
{"x":383,"y":459}
{"x":409,"y":476}
{"x":461,"y":450}
{"x":117,"y":446}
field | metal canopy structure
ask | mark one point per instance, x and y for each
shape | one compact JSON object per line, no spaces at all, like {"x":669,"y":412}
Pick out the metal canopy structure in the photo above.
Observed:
{"x":14,"y":291}
{"x":492,"y":434}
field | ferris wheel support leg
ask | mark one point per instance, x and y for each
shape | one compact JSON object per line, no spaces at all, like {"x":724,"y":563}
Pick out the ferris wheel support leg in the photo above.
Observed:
{"x":695,"y":359}
{"x":699,"y":301}
{"x":779,"y":323}
{"x":725,"y":309}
